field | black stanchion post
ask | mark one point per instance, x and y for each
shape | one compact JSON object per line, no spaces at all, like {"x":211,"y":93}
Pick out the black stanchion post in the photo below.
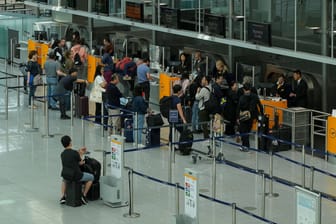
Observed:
{"x":303,"y":167}
{"x":135,"y":124}
{"x":170,"y":161}
{"x":234,"y":213}
{"x":72,"y":108}
{"x":173,"y":145}
{"x":131,"y":213}
{"x":102,"y":118}
{"x":312,"y":169}
{"x":177,"y":198}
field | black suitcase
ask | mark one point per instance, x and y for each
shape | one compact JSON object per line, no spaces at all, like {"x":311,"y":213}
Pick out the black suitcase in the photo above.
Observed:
{"x":94,"y":192}
{"x":187,"y":113}
{"x":186,"y":136}
{"x":153,"y":137}
{"x":263,"y":128}
{"x":283,"y":133}
{"x":92,"y":166}
{"x":128,"y":129}
{"x":81,"y":106}
{"x":73,"y":192}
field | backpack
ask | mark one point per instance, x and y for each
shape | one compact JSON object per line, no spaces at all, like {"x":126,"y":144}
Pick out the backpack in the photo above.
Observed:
{"x":212,"y":105}
{"x":165,"y":105}
{"x":92,"y":166}
{"x":120,"y":65}
{"x":77,"y":59}
{"x":186,"y":136}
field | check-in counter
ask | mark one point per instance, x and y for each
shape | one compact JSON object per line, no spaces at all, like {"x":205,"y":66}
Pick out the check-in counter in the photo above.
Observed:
{"x":42,"y":50}
{"x":166,"y":84}
{"x":270,"y":108}
{"x":92,"y":62}
{"x":331,"y":135}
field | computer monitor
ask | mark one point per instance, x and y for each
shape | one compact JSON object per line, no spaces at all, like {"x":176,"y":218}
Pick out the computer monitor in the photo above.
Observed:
{"x":40,"y":35}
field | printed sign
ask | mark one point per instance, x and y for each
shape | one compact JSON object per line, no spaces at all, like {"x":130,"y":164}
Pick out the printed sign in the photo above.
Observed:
{"x":308,"y":207}
{"x":191,"y":193}
{"x":116,"y":158}
{"x":173,"y":116}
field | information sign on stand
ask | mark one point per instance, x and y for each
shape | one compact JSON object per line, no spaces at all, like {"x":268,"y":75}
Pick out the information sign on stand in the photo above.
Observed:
{"x":308,"y":206}
{"x":116,"y":156}
{"x":191,"y":194}
{"x":173,"y":116}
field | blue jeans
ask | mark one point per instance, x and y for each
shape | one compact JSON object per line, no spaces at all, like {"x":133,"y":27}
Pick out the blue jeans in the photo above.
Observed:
{"x":194,"y":116}
{"x":32,"y":90}
{"x":87,"y":177}
{"x":52,"y":82}
{"x":140,"y":124}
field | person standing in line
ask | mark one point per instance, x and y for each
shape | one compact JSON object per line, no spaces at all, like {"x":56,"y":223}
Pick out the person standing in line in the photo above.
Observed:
{"x":113,"y":96}
{"x":231,"y":108}
{"x":250,"y":102}
{"x":203,"y":95}
{"x":71,"y":162}
{"x":199,"y":66}
{"x":99,"y":86}
{"x":193,"y":103}
{"x":33,"y":69}
{"x":299,"y":93}
{"x":144,"y":77}
{"x":52,"y":69}
{"x":177,"y":105}
{"x":65,"y":86}
{"x":139,"y":106}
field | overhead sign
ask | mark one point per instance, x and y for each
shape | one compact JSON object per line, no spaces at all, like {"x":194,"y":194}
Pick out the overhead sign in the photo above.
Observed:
{"x":214,"y":25}
{"x":308,"y":206}
{"x":135,"y":11}
{"x":170,"y":17}
{"x":191,"y":193}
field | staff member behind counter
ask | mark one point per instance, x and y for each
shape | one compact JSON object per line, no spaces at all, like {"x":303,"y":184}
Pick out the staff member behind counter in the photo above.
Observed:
{"x":144,"y":77}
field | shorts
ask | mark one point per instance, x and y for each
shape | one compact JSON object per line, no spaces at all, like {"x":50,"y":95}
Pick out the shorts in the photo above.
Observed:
{"x":86,"y":177}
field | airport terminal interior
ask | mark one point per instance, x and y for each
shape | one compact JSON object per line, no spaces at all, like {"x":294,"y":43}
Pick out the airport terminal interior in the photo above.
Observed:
{"x":287,"y":174}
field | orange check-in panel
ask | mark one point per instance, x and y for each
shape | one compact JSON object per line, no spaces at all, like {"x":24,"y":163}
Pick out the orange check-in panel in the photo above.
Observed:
{"x":166,"y":84}
{"x":269,"y":109}
{"x":331,"y":134}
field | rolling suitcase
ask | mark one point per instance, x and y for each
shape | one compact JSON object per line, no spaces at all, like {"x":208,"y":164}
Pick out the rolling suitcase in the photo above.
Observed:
{"x":186,"y":136}
{"x":153,"y":137}
{"x":81,"y":106}
{"x":283,"y":133}
{"x":94,"y":192}
{"x":128,"y":129}
{"x":73,"y":193}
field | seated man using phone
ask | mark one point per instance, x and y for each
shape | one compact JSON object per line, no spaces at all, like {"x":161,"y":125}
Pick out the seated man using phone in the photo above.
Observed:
{"x":71,"y":162}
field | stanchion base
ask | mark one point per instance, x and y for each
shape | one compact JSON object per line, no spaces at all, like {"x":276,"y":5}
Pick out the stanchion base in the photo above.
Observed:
{"x":32,"y":130}
{"x":116,"y":205}
{"x":273,"y":195}
{"x":133,"y":215}
{"x":47,"y":136}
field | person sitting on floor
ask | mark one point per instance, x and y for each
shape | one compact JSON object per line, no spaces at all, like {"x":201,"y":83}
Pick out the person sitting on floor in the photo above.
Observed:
{"x":71,"y":162}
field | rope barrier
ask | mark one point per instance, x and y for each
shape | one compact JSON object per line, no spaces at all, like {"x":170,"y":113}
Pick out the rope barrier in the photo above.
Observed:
{"x":203,"y":196}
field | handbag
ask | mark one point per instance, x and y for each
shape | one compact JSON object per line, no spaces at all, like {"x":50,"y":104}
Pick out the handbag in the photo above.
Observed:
{"x":96,"y":94}
{"x":37,"y":80}
{"x":154,"y":120}
{"x":244,"y":115}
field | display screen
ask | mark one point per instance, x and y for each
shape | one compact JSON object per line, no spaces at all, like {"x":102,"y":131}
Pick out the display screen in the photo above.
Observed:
{"x":170,"y":17}
{"x":214,"y":25}
{"x":259,"y":33}
{"x":135,"y":11}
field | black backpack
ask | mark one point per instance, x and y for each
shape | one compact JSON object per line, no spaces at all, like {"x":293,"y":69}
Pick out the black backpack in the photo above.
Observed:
{"x":165,"y":105}
{"x":212,"y":105}
{"x":77,"y":59}
{"x":186,"y":136}
{"x":92,"y":166}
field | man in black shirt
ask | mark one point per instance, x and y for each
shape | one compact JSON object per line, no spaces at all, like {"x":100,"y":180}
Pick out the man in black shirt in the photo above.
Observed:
{"x":71,"y":160}
{"x":64,"y":86}
{"x":113,"y":95}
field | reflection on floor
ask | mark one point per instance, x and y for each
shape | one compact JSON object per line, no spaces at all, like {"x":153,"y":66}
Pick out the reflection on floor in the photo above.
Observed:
{"x":30,"y":178}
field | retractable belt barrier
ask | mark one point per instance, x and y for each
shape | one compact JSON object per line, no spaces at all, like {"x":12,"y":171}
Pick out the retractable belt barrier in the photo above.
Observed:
{"x":205,"y":197}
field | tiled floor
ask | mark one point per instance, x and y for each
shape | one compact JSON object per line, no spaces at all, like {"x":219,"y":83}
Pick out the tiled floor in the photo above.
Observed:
{"x":30,"y":178}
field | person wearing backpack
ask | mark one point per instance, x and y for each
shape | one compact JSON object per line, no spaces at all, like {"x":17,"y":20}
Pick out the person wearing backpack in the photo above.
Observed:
{"x":177,"y":105}
{"x":203,"y":95}
{"x":248,"y":109}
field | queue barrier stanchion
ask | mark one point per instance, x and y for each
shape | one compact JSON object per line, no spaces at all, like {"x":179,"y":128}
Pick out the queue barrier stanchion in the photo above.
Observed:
{"x":135,"y":124}
{"x":303,"y":171}
{"x":6,"y":95}
{"x":213,"y":147}
{"x":18,"y":91}
{"x":271,"y":193}
{"x":83,"y":132}
{"x":72,"y":108}
{"x":32,"y":117}
{"x":263,"y":193}
{"x":177,"y":198}
{"x":234,"y":213}
{"x":131,"y":213}
{"x":312,"y":169}
{"x":102,"y":119}
{"x":173,"y":140}
{"x":46,"y":121}
{"x":257,"y":151}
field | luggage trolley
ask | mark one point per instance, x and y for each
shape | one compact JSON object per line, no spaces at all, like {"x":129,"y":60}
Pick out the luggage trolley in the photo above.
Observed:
{"x":217,"y":128}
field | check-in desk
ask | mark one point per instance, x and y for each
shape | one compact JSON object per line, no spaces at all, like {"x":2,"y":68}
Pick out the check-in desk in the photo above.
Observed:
{"x":166,"y":84}
{"x":42,"y":50}
{"x":92,"y":62}
{"x":331,"y":135}
{"x":270,"y":108}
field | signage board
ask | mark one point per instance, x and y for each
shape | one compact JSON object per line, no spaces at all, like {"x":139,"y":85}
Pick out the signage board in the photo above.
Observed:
{"x":259,"y":33}
{"x":214,"y":25}
{"x":173,"y":116}
{"x":191,"y":194}
{"x":170,"y":17}
{"x":135,"y":11}
{"x":116,"y":157}
{"x":308,"y":206}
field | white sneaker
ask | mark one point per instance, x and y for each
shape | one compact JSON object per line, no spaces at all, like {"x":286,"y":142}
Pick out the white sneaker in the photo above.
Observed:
{"x":141,"y":145}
